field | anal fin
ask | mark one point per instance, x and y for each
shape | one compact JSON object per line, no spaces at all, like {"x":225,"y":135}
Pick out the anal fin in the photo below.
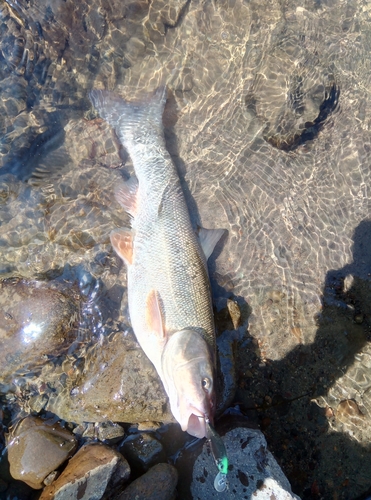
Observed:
{"x":122,"y":242}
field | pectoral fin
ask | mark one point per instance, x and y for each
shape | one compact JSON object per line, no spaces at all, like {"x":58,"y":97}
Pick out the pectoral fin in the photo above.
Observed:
{"x":122,"y":242}
{"x":126,"y":195}
{"x":208,"y":239}
{"x":154,"y":314}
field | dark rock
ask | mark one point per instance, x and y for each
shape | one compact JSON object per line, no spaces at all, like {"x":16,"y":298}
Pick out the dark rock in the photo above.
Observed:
{"x":142,"y":451}
{"x":253,"y":472}
{"x":159,"y":482}
{"x":226,"y":387}
{"x":3,"y":485}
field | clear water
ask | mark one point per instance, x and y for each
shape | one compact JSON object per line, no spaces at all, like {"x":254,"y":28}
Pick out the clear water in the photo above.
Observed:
{"x":268,"y":122}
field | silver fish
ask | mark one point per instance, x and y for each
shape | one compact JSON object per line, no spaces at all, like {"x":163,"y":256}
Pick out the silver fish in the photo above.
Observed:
{"x":168,"y":283}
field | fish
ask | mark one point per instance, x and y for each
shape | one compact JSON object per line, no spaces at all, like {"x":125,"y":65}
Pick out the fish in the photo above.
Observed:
{"x":169,"y":294}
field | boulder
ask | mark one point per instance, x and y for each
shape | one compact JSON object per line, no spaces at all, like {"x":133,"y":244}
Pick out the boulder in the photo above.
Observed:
{"x":94,"y":469}
{"x":36,"y":447}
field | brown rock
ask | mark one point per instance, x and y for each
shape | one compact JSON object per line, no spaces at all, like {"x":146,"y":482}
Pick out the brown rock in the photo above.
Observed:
{"x":36,"y":319}
{"x":119,"y":392}
{"x":89,"y":473}
{"x":159,"y":482}
{"x":235,"y":312}
{"x":36,"y":447}
{"x":349,"y":412}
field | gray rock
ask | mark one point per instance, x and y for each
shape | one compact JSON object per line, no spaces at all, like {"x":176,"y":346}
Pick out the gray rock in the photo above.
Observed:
{"x":36,"y":447}
{"x":94,"y":470}
{"x":143,"y":451}
{"x":109,"y":432}
{"x":159,"y":482}
{"x":85,"y":430}
{"x":253,"y":471}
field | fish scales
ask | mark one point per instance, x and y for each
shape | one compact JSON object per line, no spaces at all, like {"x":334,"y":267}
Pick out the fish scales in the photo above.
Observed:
{"x":168,"y":284}
{"x":166,"y":244}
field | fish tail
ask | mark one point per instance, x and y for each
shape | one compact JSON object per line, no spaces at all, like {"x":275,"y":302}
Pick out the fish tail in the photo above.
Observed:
{"x":128,"y":117}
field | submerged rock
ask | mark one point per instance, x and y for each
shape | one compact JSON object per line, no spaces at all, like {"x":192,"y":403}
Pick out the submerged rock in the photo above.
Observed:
{"x":117,"y":383}
{"x":37,"y":319}
{"x":89,"y":474}
{"x":36,"y":447}
{"x":252,"y":473}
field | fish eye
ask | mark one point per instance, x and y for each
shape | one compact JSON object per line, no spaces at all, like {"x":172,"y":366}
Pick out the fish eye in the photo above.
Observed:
{"x":206,"y":383}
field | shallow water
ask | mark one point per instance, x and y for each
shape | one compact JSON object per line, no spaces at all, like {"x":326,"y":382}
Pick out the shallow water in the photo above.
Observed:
{"x":268,"y":122}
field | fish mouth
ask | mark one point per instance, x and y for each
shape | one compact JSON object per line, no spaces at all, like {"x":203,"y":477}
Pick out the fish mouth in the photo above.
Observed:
{"x":195,"y":423}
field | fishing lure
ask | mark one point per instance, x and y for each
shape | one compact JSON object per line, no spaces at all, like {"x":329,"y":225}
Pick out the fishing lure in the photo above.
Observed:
{"x":220,"y":456}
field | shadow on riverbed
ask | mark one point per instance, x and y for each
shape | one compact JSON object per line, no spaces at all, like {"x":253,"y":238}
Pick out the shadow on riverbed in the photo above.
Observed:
{"x":283,"y":396}
{"x":280,"y":396}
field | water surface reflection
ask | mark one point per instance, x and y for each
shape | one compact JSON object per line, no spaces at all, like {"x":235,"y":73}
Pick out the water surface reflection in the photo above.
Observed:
{"x":244,"y":79}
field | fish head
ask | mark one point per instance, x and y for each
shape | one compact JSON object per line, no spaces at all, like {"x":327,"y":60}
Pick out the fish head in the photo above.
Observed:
{"x":188,"y":377}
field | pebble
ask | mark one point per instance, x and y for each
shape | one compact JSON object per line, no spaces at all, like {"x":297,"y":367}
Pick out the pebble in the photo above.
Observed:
{"x":158,"y":483}
{"x":235,"y":312}
{"x":109,"y":432}
{"x":37,"y":447}
{"x":90,"y":473}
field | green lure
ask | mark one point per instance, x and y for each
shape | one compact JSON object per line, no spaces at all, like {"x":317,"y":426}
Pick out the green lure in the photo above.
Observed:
{"x":220,"y":456}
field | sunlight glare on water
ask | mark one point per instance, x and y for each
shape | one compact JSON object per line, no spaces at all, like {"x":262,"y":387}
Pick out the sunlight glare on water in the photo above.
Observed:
{"x":268,"y":122}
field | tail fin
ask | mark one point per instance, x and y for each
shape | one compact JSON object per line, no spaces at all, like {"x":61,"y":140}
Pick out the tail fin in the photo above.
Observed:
{"x":128,"y":117}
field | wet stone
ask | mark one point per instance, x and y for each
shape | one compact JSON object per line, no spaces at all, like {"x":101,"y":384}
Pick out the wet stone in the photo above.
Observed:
{"x":92,"y":472}
{"x":253,"y":471}
{"x":235,"y":313}
{"x":109,"y":432}
{"x":37,"y":319}
{"x":159,"y":482}
{"x":51,"y":477}
{"x":142,"y":451}
{"x":36,"y":447}
{"x":113,"y":385}
{"x":148,"y":426}
{"x":349,"y":412}
{"x":85,"y":430}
